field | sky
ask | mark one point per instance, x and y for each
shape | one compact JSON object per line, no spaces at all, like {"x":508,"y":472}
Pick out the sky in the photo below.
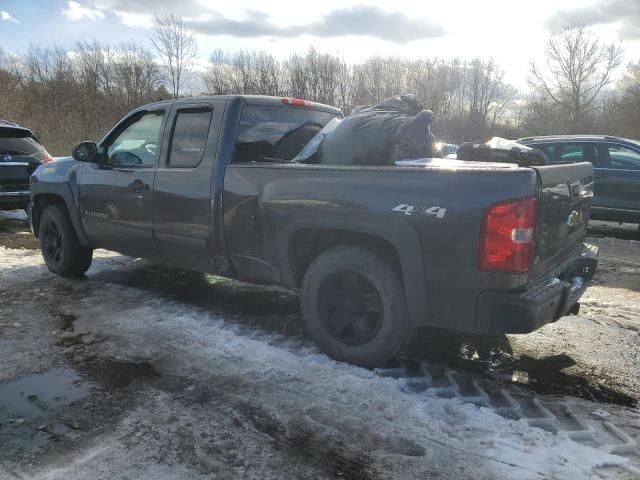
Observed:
{"x":513,"y":32}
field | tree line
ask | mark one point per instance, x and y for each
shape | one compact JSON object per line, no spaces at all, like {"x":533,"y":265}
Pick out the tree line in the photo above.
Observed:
{"x":67,"y":95}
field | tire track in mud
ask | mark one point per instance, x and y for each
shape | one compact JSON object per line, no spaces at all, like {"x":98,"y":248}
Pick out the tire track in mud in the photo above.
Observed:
{"x":552,"y":415}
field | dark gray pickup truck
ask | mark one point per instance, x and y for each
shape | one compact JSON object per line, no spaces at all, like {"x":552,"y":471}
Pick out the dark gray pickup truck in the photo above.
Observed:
{"x":209,"y":184}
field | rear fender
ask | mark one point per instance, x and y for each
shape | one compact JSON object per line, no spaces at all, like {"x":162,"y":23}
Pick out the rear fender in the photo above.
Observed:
{"x":399,"y":233}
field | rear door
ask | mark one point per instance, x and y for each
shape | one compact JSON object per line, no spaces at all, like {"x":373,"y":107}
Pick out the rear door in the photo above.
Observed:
{"x":618,"y":180}
{"x":182,"y":188}
{"x":116,"y":198}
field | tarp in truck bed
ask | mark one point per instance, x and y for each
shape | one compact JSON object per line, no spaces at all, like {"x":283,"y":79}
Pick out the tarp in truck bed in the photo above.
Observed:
{"x":396,"y":128}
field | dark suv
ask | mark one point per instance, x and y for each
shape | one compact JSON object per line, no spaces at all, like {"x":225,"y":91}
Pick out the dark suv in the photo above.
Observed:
{"x":20,"y":154}
{"x":616,"y":163}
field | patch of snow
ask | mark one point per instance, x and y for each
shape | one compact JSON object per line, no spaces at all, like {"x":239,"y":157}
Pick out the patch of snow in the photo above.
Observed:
{"x":14,"y":215}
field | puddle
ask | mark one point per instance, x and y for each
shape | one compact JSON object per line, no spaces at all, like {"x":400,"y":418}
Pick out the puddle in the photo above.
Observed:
{"x":31,"y":396}
{"x":28,"y":403}
{"x":41,"y":408}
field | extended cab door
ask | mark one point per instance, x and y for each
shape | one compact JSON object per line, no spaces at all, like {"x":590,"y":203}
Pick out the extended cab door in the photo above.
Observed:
{"x":115,"y":196}
{"x":182,"y":189}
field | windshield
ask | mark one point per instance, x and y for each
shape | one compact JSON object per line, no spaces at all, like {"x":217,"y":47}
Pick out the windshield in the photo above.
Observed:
{"x":19,"y":142}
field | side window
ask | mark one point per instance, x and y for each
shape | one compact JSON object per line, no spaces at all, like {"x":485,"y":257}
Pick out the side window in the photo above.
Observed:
{"x":547,"y":149}
{"x":137,"y":145}
{"x":572,"y":153}
{"x":623,"y":158}
{"x":189,"y":137}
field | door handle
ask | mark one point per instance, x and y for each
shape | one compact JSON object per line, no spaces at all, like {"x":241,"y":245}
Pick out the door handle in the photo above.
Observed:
{"x":600,"y":176}
{"x":138,"y":185}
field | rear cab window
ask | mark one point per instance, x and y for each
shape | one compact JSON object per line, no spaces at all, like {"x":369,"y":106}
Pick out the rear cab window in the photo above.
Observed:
{"x":276,"y":133}
{"x":16,"y":141}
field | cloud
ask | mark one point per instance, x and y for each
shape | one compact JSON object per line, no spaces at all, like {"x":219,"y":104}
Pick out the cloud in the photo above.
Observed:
{"x":76,"y":12}
{"x":624,"y":12}
{"x":359,"y":20}
{"x":6,"y":16}
{"x":149,"y":7}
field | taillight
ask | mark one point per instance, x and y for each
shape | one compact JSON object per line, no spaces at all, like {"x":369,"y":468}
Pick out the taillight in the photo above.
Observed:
{"x":296,"y":102}
{"x":47,"y":159}
{"x":506,"y":244}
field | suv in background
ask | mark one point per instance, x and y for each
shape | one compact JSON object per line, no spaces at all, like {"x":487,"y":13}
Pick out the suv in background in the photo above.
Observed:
{"x":20,"y":154}
{"x":616,"y":163}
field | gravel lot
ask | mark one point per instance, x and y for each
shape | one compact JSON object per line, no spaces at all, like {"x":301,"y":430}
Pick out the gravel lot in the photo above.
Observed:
{"x":139,"y":371}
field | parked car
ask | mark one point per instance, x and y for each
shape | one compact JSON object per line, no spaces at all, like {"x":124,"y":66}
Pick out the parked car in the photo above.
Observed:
{"x":616,"y":163}
{"x":20,"y":154}
{"x":208,"y":184}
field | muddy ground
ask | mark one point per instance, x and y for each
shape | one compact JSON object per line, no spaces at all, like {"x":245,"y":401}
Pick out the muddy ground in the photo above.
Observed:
{"x":145,"y":372}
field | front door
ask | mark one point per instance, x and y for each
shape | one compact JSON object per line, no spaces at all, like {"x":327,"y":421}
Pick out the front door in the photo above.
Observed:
{"x":116,"y":196}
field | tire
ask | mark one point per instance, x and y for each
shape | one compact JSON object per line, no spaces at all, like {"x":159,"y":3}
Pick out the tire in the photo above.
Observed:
{"x":362,"y":321}
{"x":62,"y":252}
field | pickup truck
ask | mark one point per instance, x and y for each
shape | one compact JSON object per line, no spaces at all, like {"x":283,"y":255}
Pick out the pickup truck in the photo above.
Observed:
{"x":210,"y":184}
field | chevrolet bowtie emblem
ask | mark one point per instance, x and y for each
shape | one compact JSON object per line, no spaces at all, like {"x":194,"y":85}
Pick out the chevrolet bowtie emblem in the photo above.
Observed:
{"x":574,"y":218}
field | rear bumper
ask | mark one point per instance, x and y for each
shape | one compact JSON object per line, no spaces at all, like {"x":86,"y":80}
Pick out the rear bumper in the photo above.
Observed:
{"x":542,"y":302}
{"x":19,"y":199}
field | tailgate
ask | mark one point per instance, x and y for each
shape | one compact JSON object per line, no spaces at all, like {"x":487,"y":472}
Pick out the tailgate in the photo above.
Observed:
{"x":563,"y":213}
{"x":14,"y":175}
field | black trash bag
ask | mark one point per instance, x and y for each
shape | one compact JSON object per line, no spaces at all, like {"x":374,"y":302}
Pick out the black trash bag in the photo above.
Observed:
{"x":395,"y":129}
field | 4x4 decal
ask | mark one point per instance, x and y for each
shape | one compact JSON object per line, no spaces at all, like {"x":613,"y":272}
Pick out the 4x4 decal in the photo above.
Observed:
{"x":437,"y":212}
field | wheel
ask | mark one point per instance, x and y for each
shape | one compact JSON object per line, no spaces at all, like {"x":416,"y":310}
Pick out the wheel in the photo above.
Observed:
{"x":60,"y":247}
{"x":354,"y":307}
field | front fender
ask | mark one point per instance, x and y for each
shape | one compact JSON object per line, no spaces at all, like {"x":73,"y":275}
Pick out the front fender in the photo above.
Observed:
{"x":58,"y":180}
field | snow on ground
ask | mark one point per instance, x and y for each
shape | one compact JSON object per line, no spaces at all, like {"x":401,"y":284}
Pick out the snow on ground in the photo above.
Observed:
{"x":14,"y":214}
{"x":295,"y":406}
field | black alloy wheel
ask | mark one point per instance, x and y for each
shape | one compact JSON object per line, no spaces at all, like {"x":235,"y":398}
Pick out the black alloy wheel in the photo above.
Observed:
{"x":352,"y":310}
{"x":52,"y":243}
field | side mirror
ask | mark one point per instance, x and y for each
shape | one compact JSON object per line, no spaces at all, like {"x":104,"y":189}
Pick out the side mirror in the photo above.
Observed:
{"x":85,"y":152}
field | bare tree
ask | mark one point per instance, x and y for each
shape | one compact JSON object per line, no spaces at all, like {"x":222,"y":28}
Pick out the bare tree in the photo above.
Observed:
{"x":578,"y":67}
{"x":10,"y":79}
{"x":177,"y":48}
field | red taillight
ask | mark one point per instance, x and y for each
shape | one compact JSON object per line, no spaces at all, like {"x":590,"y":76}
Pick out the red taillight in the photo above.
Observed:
{"x":296,"y":102}
{"x":506,"y":244}
{"x":47,"y":159}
